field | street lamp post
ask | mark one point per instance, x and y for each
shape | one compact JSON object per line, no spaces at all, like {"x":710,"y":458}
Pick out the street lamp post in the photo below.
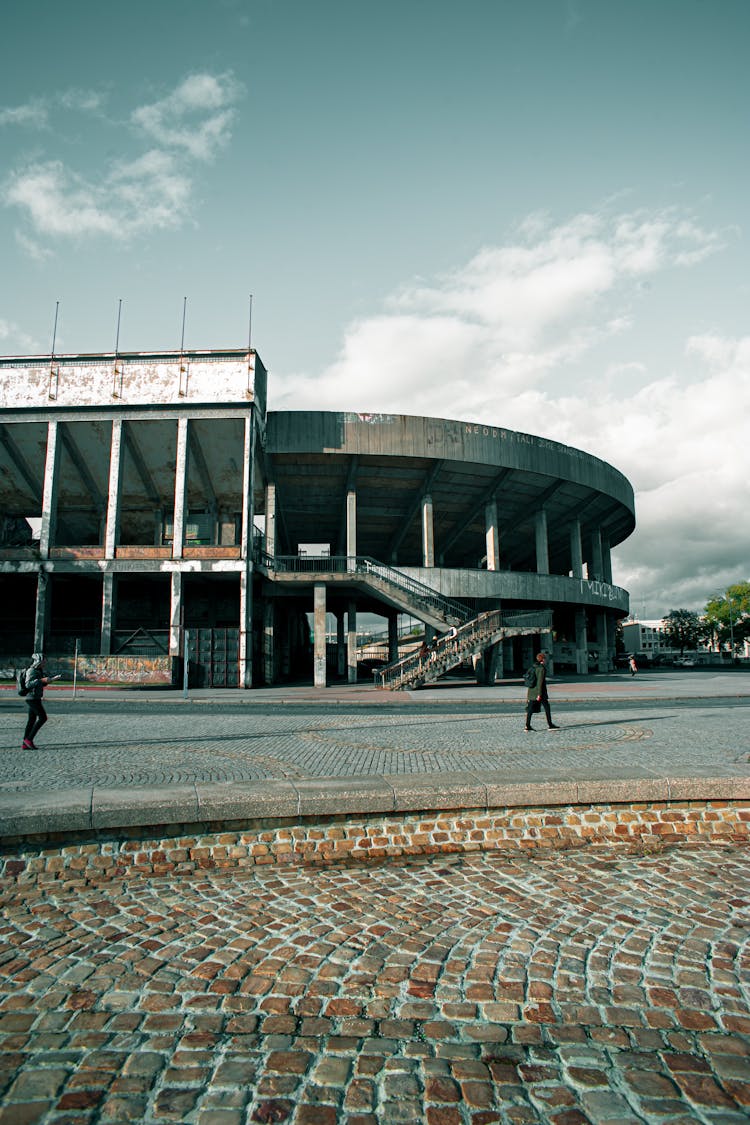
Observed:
{"x":731,"y":627}
{"x":728,"y":600}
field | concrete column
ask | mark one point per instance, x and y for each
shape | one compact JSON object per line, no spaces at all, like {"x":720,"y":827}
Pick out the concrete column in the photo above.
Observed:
{"x":246,"y":627}
{"x":351,"y":643}
{"x":41,"y":617}
{"x":428,"y":532}
{"x":582,"y":648}
{"x":548,"y":647}
{"x":491,"y":657}
{"x":180,"y":489}
{"x":507,"y":655}
{"x":248,"y":490}
{"x":392,"y":637}
{"x":595,"y":563}
{"x":175,"y":614}
{"x":527,"y":651}
{"x":602,"y":641}
{"x":606,"y":560}
{"x":109,"y":608}
{"x":49,"y":495}
{"x":499,"y":661}
{"x":351,"y":523}
{"x":341,"y":648}
{"x":271,"y":520}
{"x":492,"y":535}
{"x":319,"y":634}
{"x":542,"y":542}
{"x":246,"y":553}
{"x":269,"y":656}
{"x":116,"y":450}
{"x":576,"y":549}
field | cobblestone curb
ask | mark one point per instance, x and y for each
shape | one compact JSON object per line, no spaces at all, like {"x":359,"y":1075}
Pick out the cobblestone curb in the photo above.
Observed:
{"x":42,"y":812}
{"x":189,"y":849}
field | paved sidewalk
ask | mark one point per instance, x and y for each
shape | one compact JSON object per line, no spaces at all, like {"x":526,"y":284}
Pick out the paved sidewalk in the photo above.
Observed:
{"x":119,"y":759}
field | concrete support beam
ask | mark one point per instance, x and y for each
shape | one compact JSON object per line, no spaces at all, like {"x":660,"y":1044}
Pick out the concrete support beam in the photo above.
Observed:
{"x":351,"y":528}
{"x":175,"y":614}
{"x":492,"y":535}
{"x":49,"y":492}
{"x":180,"y":489}
{"x":548,"y":648}
{"x":582,"y":648}
{"x":341,"y":647}
{"x":488,"y":664}
{"x":428,"y":532}
{"x":595,"y":566}
{"x":576,"y":550}
{"x":248,"y":489}
{"x":271,"y":519}
{"x":319,"y":635}
{"x":246,"y":627}
{"x":116,"y":452}
{"x":269,"y":656}
{"x":602,"y":641}
{"x":541,"y":542}
{"x":606,"y":560}
{"x":351,"y":643}
{"x":41,"y":616}
{"x":392,"y":637}
{"x":109,"y":611}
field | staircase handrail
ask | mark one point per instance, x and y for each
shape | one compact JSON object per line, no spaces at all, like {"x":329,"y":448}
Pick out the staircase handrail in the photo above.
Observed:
{"x":466,"y":638}
{"x":419,"y":592}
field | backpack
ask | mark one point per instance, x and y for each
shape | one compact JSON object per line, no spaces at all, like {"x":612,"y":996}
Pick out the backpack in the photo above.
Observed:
{"x":529,"y":677}
{"x":21,"y":683}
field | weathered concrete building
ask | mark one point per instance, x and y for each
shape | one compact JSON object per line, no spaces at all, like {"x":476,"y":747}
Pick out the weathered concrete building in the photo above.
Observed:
{"x":143,"y":496}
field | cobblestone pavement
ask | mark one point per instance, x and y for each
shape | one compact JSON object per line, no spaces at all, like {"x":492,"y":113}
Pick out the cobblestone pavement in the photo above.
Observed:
{"x":140,"y":744}
{"x":567,"y":988}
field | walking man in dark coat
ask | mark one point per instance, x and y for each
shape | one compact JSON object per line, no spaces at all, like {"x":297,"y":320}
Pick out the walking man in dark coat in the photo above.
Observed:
{"x":537,"y":693}
{"x":36,"y":682}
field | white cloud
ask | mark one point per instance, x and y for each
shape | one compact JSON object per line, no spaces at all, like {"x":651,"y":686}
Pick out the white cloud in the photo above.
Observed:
{"x":146,"y":194}
{"x":196,"y":116}
{"x":32,"y":115}
{"x":504,"y":338}
{"x":150,"y":191}
{"x":36,"y":113}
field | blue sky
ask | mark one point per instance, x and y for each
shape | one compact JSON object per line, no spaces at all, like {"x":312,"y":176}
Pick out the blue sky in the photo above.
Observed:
{"x":527,"y":212}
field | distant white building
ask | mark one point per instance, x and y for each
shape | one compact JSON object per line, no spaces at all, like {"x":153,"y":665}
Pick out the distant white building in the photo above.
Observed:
{"x":645,"y":636}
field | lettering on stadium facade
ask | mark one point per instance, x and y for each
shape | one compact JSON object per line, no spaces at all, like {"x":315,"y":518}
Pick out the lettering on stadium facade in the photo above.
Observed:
{"x":513,"y":437}
{"x":602,"y":589}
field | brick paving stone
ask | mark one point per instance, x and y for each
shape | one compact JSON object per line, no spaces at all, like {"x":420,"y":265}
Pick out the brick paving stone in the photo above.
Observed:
{"x":110,"y":1017}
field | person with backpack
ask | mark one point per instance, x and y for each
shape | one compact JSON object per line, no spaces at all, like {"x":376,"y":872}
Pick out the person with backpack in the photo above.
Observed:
{"x":535,"y":679}
{"x":34,"y":681}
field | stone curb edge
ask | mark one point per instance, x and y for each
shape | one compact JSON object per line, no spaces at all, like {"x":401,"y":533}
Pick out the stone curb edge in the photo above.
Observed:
{"x":42,"y":812}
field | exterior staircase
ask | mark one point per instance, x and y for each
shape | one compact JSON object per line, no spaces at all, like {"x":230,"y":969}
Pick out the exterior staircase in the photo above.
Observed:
{"x":390,"y":584}
{"x":448,"y":651}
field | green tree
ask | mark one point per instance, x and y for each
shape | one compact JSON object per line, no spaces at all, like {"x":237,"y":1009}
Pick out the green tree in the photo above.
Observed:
{"x":682,"y":627}
{"x":727,"y":615}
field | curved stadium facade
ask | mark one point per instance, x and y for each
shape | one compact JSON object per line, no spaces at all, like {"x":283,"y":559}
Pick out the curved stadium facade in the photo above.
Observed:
{"x":150,"y":502}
